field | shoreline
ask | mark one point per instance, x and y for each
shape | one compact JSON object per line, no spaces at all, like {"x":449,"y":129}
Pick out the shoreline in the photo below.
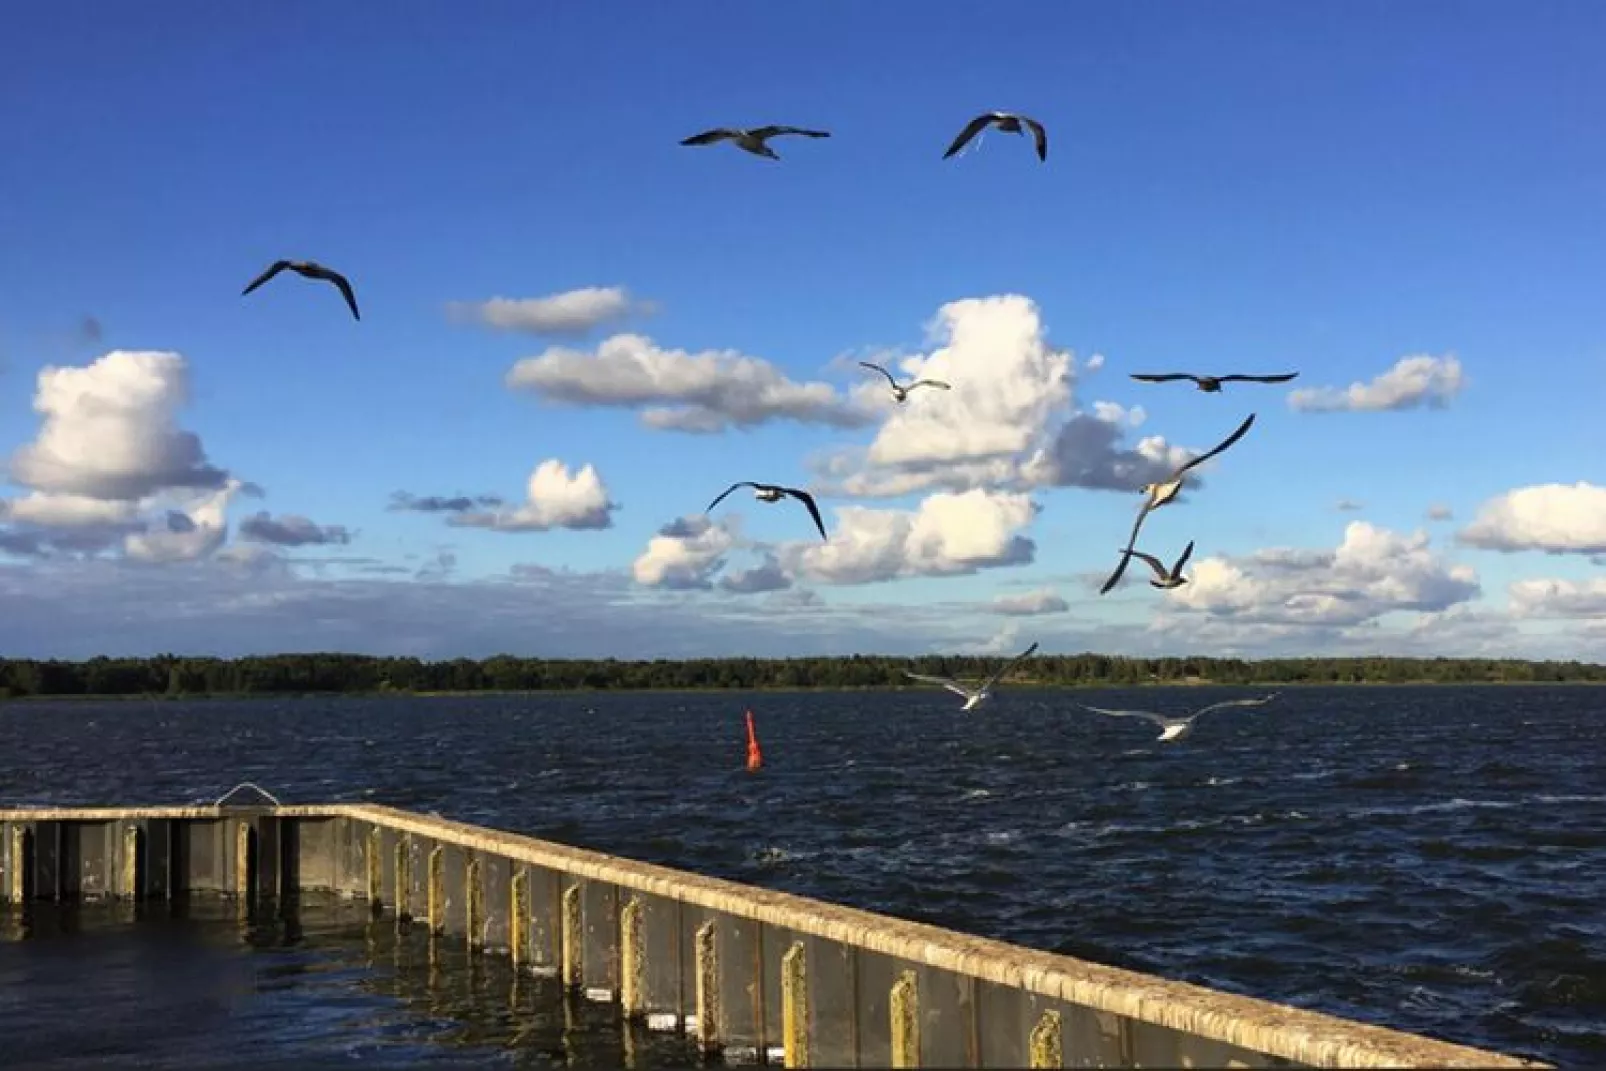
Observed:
{"x":399,"y":693}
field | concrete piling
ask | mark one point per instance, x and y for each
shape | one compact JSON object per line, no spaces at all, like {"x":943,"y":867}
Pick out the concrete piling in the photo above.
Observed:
{"x":750,"y":973}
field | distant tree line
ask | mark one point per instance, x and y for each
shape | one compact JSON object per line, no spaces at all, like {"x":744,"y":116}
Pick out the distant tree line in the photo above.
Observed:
{"x":173,"y":675}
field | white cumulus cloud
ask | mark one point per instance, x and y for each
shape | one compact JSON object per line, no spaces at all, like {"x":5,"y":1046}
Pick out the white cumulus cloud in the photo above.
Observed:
{"x":1554,"y":517}
{"x":1372,"y":572}
{"x":946,"y":535}
{"x":1008,"y":422}
{"x":110,"y":430}
{"x":187,"y":535}
{"x":702,"y":392}
{"x":1559,"y":598}
{"x":684,"y":555}
{"x":553,"y":499}
{"x":572,"y":312}
{"x":1416,"y":381}
{"x":1030,"y":603}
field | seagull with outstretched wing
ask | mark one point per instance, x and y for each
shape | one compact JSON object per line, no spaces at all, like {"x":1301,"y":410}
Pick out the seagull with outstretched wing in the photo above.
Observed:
{"x":1172,"y":729}
{"x":769,"y":492}
{"x":1009,"y":123}
{"x":1212,"y":384}
{"x":978,"y":695}
{"x":755,"y":140}
{"x":311,"y":270}
{"x":1164,"y":491}
{"x":900,"y":392}
{"x":1162,"y":578}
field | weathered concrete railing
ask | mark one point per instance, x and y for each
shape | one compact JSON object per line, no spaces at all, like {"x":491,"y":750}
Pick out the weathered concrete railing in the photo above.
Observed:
{"x":755,"y":973}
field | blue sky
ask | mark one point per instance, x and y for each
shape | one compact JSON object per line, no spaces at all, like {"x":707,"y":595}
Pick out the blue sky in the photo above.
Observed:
{"x":1327,"y":187}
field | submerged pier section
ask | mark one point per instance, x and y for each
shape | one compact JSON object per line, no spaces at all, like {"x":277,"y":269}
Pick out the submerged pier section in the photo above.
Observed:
{"x":754,"y":975}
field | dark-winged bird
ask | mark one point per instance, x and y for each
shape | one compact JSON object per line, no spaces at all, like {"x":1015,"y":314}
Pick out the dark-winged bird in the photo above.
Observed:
{"x":1164,"y":491}
{"x":901,"y":391}
{"x":769,"y":492}
{"x":311,"y":270}
{"x":754,"y":141}
{"x":1009,"y":123}
{"x":1162,"y":579}
{"x":1211,"y":384}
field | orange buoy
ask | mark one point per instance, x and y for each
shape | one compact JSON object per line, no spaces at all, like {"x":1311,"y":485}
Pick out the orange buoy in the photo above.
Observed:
{"x":755,"y":757}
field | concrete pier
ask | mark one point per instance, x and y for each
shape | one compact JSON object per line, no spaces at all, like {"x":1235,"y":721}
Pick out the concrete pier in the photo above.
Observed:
{"x":751,"y":974}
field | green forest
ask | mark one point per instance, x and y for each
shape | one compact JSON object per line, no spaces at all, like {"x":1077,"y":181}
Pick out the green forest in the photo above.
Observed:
{"x":175,"y":675}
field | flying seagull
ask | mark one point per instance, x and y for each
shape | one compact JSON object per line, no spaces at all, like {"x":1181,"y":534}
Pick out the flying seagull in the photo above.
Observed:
{"x":1211,"y":384}
{"x":768,"y":492}
{"x":1009,"y":123}
{"x":978,"y":695}
{"x":901,"y":393}
{"x":1163,"y":579}
{"x":1178,"y":728}
{"x":752,"y":140}
{"x":311,"y":270}
{"x":1161,"y":493}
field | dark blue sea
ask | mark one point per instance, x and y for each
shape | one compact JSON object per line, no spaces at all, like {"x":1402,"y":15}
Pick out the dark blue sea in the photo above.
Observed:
{"x":1431,"y":859}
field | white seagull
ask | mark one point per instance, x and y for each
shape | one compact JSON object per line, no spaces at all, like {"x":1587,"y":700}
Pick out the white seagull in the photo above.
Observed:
{"x":901,"y":392}
{"x":974,"y":697}
{"x":1177,"y":728}
{"x":1164,"y":491}
{"x":752,"y":140}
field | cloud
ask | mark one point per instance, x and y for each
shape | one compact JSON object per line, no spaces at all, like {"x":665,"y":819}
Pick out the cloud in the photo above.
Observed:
{"x":947,"y":535}
{"x":66,"y":510}
{"x":1348,"y":505}
{"x":402,"y":500}
{"x":291,"y":530}
{"x":1552,"y":517}
{"x":573,"y":312}
{"x":1008,"y":422}
{"x":554,"y":499}
{"x":187,"y":535}
{"x":1440,"y":512}
{"x":761,"y":578}
{"x":1373,"y":571}
{"x":110,"y":432}
{"x":1413,"y":382}
{"x":684,"y":555}
{"x":710,"y":391}
{"x":1030,"y":603}
{"x":1559,"y":598}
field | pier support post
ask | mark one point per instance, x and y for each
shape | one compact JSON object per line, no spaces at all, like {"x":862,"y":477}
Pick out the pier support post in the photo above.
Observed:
{"x":375,"y":859}
{"x":404,"y":879}
{"x":572,"y":938}
{"x":1046,"y":1045}
{"x":244,"y":866}
{"x":21,"y":863}
{"x":632,"y":961}
{"x":518,"y":918}
{"x":474,"y":907}
{"x":707,"y":967}
{"x":435,"y":894}
{"x":904,"y":1005}
{"x":128,"y":872}
{"x":795,"y":1006}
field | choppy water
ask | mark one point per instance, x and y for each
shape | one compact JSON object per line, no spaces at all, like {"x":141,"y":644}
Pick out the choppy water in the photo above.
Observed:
{"x":1432,"y":859}
{"x":193,"y":987}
